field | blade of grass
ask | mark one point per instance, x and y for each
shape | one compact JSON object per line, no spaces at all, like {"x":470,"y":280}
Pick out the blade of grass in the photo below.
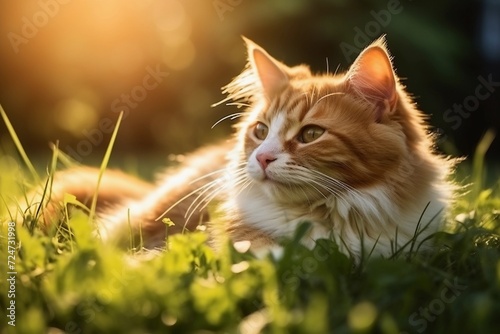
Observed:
{"x":39,"y":206}
{"x":130,"y":234}
{"x":417,"y":229}
{"x":47,"y":190}
{"x":141,"y":240}
{"x":66,"y":218}
{"x":478,"y":165}
{"x":56,"y":153}
{"x":19,"y":146}
{"x":62,"y":157}
{"x":103,"y":166}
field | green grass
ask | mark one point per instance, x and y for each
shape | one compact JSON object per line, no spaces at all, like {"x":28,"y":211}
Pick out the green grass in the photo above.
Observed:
{"x":69,"y":281}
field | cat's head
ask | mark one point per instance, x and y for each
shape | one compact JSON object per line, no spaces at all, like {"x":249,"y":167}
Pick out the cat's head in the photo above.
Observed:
{"x":307,"y":135}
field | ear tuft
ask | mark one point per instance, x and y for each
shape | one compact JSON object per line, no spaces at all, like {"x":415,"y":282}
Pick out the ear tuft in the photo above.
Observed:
{"x":270,"y":72}
{"x":372,"y":77}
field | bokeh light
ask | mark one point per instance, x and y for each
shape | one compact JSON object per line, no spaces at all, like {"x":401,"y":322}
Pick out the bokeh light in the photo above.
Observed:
{"x":65,"y":63}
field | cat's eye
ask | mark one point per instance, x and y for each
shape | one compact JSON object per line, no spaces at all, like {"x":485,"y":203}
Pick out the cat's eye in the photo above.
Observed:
{"x":260,"y":131}
{"x":310,"y":133}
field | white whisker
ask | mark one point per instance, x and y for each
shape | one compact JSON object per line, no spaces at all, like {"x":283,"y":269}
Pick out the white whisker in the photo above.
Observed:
{"x":333,"y":186}
{"x":328,"y":95}
{"x":222,"y":170}
{"x":302,"y":175}
{"x":232,"y":117}
{"x":209,"y":193}
{"x":244,"y":182}
{"x":239,"y":104}
{"x":190,"y":210}
{"x":336,"y":70}
{"x":345,"y":187}
{"x":183,"y":199}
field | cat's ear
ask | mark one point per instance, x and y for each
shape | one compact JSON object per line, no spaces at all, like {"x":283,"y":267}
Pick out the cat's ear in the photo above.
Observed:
{"x":372,"y":77}
{"x":270,"y":72}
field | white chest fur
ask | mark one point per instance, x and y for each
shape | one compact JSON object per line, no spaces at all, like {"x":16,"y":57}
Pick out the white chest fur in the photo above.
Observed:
{"x":358,"y":221}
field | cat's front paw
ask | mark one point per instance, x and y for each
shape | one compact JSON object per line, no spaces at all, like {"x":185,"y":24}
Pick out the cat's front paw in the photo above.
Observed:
{"x":259,"y":249}
{"x":276,"y":251}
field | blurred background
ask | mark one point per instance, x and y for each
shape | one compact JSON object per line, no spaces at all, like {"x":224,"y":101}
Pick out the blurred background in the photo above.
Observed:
{"x":68,"y":67}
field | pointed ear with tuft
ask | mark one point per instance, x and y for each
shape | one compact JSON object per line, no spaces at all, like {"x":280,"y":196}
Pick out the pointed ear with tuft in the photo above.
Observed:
{"x":270,"y":72}
{"x":372,"y":78}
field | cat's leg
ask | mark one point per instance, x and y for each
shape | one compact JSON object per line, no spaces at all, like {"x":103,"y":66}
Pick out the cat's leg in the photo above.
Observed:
{"x":179,"y":196}
{"x":46,"y":204}
{"x":244,"y":238}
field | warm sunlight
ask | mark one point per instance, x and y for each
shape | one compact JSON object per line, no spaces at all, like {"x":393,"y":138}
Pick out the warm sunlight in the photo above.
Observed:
{"x":69,"y":67}
{"x":249,"y":166}
{"x":82,"y":53}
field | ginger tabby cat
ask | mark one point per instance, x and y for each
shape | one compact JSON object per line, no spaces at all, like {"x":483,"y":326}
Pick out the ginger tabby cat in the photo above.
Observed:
{"x":349,"y":153}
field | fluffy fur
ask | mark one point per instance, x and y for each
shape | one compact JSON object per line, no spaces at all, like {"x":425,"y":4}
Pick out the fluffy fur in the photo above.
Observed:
{"x":370,"y":181}
{"x":348,"y":153}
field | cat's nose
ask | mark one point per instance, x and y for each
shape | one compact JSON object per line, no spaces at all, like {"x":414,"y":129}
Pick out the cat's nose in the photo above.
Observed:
{"x":265,"y":159}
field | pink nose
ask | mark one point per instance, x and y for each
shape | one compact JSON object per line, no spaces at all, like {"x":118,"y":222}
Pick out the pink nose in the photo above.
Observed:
{"x":265,"y":159}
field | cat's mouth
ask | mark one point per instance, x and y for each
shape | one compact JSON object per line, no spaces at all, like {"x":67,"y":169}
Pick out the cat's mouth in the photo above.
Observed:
{"x":266,"y":177}
{"x":272,"y":175}
{"x":287,"y":190}
{"x":275,"y":180}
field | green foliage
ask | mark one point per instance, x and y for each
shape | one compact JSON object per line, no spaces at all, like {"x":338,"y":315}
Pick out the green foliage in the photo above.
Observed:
{"x":68,"y":280}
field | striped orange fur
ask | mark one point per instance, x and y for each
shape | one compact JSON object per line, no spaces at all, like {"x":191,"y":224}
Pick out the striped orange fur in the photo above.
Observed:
{"x":367,"y":175}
